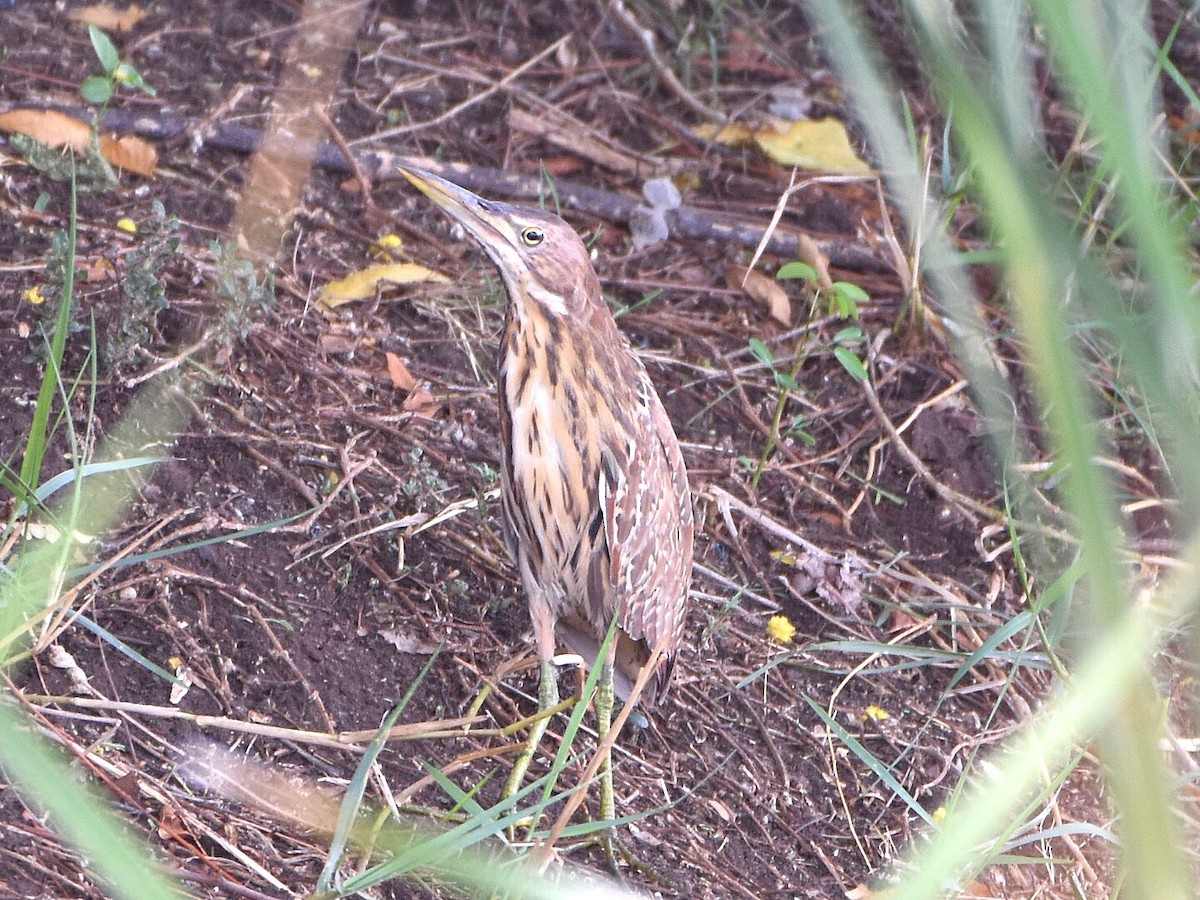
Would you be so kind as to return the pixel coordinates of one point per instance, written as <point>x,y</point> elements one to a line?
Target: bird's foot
<point>619,858</point>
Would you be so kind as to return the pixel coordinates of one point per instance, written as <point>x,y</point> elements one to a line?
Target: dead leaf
<point>361,284</point>
<point>54,129</point>
<point>810,253</point>
<point>131,153</point>
<point>407,643</point>
<point>766,291</point>
<point>104,16</point>
<point>98,269</point>
<point>398,372</point>
<point>170,826</point>
<point>818,144</point>
<point>421,403</point>
<point>339,343</point>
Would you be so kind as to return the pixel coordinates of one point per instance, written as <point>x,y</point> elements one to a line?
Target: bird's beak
<point>471,211</point>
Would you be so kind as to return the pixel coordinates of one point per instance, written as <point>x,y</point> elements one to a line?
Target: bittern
<point>597,513</point>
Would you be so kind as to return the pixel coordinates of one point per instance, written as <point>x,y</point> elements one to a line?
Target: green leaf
<point>849,335</point>
<point>851,363</point>
<point>850,291</point>
<point>786,381</point>
<point>762,353</point>
<point>793,270</point>
<point>106,50</point>
<point>96,89</point>
<point>130,77</point>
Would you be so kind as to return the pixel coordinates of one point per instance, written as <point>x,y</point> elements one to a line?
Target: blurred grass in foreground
<point>1099,282</point>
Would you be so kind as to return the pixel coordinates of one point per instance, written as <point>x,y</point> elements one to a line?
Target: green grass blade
<point>78,814</point>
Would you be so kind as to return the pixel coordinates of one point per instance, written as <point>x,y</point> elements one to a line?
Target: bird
<point>596,509</point>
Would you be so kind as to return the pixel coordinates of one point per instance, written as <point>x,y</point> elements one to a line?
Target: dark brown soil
<point>321,622</point>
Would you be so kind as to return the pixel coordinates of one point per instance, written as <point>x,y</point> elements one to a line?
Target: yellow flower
<point>939,815</point>
<point>382,248</point>
<point>127,225</point>
<point>876,714</point>
<point>34,295</point>
<point>781,629</point>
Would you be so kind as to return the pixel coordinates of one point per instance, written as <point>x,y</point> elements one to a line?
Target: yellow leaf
<point>361,284</point>
<point>735,134</point>
<point>820,144</point>
<point>104,16</point>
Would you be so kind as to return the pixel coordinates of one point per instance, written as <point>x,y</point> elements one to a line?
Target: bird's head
<point>539,256</point>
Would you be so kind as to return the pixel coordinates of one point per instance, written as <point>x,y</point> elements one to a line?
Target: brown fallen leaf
<point>55,129</point>
<point>421,403</point>
<point>98,269</point>
<point>398,372</point>
<point>52,128</point>
<point>109,18</point>
<point>766,291</point>
<point>130,152</point>
<point>361,284</point>
<point>812,254</point>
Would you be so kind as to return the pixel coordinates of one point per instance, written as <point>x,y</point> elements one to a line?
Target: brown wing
<point>648,524</point>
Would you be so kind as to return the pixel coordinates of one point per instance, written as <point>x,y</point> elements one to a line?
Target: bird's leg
<point>547,699</point>
<point>605,699</point>
<point>609,840</point>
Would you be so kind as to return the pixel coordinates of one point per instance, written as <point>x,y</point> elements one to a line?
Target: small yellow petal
<point>939,815</point>
<point>876,714</point>
<point>382,248</point>
<point>781,629</point>
<point>127,225</point>
<point>34,295</point>
<point>787,557</point>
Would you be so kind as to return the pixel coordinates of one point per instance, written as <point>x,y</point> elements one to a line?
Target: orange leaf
<point>398,372</point>
<point>420,403</point>
<point>54,129</point>
<point>104,16</point>
<point>131,153</point>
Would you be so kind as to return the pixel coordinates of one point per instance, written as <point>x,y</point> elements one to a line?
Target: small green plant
<point>424,481</point>
<point>240,289</point>
<point>786,382</point>
<point>842,343</point>
<point>143,289</point>
<point>99,89</point>
<point>842,297</point>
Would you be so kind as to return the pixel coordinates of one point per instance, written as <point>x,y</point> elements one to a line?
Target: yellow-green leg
<point>547,699</point>
<point>605,699</point>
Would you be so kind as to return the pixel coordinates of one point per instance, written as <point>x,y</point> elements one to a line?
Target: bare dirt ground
<point>321,624</point>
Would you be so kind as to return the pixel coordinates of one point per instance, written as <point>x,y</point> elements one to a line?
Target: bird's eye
<point>532,236</point>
